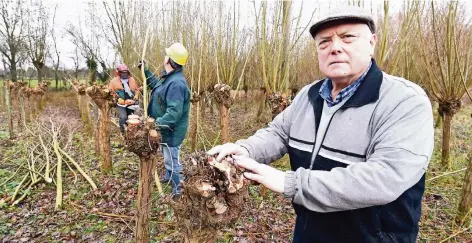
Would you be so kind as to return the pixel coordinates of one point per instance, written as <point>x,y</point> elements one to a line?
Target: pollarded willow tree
<point>12,31</point>
<point>229,48</point>
<point>277,32</point>
<point>444,44</point>
<point>37,32</point>
<point>87,36</point>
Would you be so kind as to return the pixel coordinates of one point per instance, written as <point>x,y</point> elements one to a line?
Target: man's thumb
<point>214,150</point>
<point>253,177</point>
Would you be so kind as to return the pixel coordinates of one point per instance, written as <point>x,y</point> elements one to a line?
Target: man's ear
<point>373,42</point>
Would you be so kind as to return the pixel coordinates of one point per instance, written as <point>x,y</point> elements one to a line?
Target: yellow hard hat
<point>177,53</point>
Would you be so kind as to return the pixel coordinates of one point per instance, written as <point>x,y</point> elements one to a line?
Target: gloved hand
<point>228,149</point>
<point>140,64</point>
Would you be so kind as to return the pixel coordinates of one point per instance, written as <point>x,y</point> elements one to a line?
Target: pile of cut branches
<point>45,157</point>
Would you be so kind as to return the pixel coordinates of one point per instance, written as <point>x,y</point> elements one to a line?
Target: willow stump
<point>142,139</point>
<point>195,100</point>
<point>9,109</point>
<point>38,97</point>
<point>262,102</point>
<point>15,93</point>
<point>277,103</point>
<point>222,96</point>
<point>447,111</point>
<point>246,100</point>
<point>103,98</point>
<point>83,104</point>
<point>40,91</point>
<point>213,196</point>
<point>28,93</point>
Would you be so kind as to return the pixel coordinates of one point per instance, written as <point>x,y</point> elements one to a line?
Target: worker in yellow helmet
<point>170,105</point>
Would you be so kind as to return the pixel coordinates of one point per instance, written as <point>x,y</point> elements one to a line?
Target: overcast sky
<point>70,11</point>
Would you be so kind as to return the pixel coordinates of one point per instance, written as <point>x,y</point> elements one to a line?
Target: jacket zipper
<point>313,151</point>
<point>312,161</point>
<point>391,237</point>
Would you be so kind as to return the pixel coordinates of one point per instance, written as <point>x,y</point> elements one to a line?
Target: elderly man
<point>359,142</point>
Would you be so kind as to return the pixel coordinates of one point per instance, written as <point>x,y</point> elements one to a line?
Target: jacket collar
<point>165,75</point>
<point>367,92</point>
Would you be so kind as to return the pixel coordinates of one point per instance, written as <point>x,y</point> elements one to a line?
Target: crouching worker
<point>125,87</point>
<point>169,105</point>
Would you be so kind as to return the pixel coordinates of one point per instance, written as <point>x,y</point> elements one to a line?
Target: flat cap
<point>353,13</point>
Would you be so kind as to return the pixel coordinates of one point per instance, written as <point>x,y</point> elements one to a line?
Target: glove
<point>140,64</point>
<point>228,149</point>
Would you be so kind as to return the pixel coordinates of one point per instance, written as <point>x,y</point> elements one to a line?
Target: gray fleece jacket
<point>366,163</point>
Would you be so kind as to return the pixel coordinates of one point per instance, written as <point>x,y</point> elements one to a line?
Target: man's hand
<point>140,64</point>
<point>129,102</point>
<point>266,175</point>
<point>228,149</point>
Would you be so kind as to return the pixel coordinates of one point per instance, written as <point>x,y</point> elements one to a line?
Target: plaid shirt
<point>327,86</point>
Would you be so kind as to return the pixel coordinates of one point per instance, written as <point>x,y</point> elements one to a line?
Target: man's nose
<point>336,46</point>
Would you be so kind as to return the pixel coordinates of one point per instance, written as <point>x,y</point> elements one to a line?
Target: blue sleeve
<point>151,79</point>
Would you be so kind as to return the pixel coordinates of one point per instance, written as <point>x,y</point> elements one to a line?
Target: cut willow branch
<point>87,177</point>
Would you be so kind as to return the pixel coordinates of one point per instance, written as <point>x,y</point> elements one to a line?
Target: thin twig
<point>87,177</point>
<point>456,234</point>
<point>445,174</point>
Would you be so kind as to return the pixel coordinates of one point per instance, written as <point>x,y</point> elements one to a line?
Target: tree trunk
<point>23,113</point>
<point>40,74</point>
<point>464,214</point>
<point>224,123</point>
<point>17,111</point>
<point>146,168</point>
<point>202,107</point>
<point>96,139</point>
<point>32,103</point>
<point>9,111</point>
<point>194,125</point>
<point>447,118</point>
<point>105,149</point>
<point>261,106</point>
<point>79,103</point>
<point>92,76</point>
<point>245,100</point>
<point>38,103</point>
<point>13,72</point>
<point>2,96</point>
<point>211,104</point>
<point>29,110</point>
<point>89,126</point>
<point>56,77</point>
<point>41,102</point>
